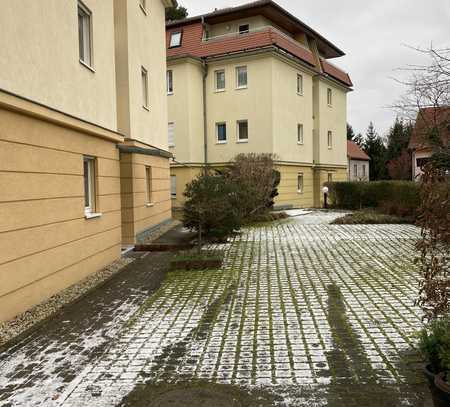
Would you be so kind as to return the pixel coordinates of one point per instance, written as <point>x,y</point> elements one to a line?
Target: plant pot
<point>441,397</point>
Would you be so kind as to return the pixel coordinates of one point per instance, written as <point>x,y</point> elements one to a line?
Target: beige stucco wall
<point>139,215</point>
<point>332,118</point>
<point>40,57</point>
<point>321,178</point>
<point>253,104</point>
<point>46,243</point>
<point>185,110</point>
<point>291,109</point>
<point>184,175</point>
<point>288,189</point>
<point>359,176</point>
<point>140,42</point>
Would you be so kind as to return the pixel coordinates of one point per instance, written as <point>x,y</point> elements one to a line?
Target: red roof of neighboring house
<point>193,45</point>
<point>427,119</point>
<point>355,152</point>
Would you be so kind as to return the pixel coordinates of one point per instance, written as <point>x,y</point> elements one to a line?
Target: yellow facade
<point>59,110</point>
<point>274,110</point>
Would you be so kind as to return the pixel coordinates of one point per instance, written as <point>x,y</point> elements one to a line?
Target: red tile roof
<point>193,45</point>
<point>355,152</point>
<point>336,73</point>
<point>427,118</point>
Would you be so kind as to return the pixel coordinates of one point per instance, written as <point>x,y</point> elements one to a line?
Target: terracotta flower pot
<point>441,397</point>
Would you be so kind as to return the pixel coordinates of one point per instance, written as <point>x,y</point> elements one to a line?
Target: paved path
<point>320,315</point>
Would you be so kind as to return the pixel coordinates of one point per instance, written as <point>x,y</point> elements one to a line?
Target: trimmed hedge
<point>401,198</point>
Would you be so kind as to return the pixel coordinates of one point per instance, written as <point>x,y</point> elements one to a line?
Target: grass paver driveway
<point>302,313</point>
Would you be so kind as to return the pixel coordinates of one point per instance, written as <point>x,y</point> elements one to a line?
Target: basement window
<point>173,186</point>
<point>300,183</point>
<point>148,182</point>
<point>89,176</point>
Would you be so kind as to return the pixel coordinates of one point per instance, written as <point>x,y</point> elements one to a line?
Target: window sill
<point>150,205</point>
<point>330,106</point>
<point>91,215</point>
<point>172,146</point>
<point>299,192</point>
<point>146,108</point>
<point>242,87</point>
<point>330,148</point>
<point>173,197</point>
<point>87,66</point>
<point>242,141</point>
<point>299,94</point>
<point>219,91</point>
<point>300,144</point>
<point>221,142</point>
<point>169,93</point>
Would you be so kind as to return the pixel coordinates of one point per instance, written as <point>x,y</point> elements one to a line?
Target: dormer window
<point>175,39</point>
<point>244,29</point>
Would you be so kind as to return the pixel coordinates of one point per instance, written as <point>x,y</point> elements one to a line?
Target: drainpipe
<point>205,124</point>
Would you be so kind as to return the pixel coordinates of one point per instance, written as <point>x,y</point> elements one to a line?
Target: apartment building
<point>254,78</point>
<point>84,161</point>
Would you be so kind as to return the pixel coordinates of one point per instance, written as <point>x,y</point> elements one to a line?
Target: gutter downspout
<point>205,124</point>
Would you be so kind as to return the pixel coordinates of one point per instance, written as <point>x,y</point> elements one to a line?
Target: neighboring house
<point>255,79</point>
<point>84,166</point>
<point>431,131</point>
<point>358,163</point>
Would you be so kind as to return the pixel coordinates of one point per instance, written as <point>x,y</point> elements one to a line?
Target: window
<point>355,169</point>
<point>242,131</point>
<point>300,134</point>
<point>175,39</point>
<point>170,82</point>
<point>300,183</point>
<point>364,170</point>
<point>171,134</point>
<point>220,80</point>
<point>221,133</point>
<point>299,84</point>
<point>244,29</point>
<point>330,139</point>
<point>173,186</point>
<point>241,77</point>
<point>148,182</point>
<point>85,34</point>
<point>144,76</point>
<point>89,184</point>
<point>330,177</point>
<point>329,97</point>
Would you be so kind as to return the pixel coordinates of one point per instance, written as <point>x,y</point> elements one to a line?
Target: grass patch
<point>368,217</point>
<point>194,260</point>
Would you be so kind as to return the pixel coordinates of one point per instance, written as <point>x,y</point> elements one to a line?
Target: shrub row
<point>401,198</point>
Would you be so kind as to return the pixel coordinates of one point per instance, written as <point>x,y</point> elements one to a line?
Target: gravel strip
<point>25,321</point>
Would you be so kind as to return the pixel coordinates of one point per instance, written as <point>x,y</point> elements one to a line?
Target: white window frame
<point>145,93</point>
<point>90,187</point>
<point>330,97</point>
<point>219,124</point>
<point>85,36</point>
<point>171,134</point>
<point>216,73</point>
<point>169,79</point>
<point>238,69</point>
<point>173,186</point>
<point>149,184</point>
<point>330,139</point>
<point>299,84</point>
<point>355,170</point>
<point>300,182</point>
<point>241,32</point>
<point>300,134</point>
<point>238,131</point>
<point>176,35</point>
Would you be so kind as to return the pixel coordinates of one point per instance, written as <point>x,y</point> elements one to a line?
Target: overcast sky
<point>374,34</point>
